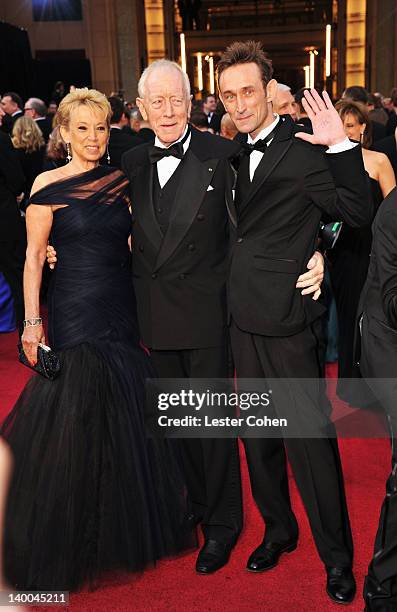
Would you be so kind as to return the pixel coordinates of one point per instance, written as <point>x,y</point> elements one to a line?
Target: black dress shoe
<point>341,586</point>
<point>213,556</point>
<point>193,520</point>
<point>266,556</point>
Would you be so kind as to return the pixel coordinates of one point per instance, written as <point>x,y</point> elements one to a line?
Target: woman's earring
<point>69,152</point>
<point>361,137</point>
<point>108,154</point>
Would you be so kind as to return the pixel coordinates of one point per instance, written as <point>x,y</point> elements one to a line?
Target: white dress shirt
<point>167,166</point>
<point>256,156</point>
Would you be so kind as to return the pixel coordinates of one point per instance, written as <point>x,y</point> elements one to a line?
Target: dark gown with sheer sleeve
<point>90,491</point>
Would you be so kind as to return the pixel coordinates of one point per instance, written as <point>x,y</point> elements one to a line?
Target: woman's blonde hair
<point>95,100</point>
<point>27,135</point>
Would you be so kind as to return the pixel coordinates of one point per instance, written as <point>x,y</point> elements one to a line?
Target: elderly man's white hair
<point>283,87</point>
<point>162,64</point>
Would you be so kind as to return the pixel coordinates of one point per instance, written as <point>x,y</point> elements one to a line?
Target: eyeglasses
<point>28,108</point>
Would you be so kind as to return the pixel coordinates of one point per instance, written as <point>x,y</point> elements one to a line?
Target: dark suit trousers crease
<point>315,462</point>
<point>374,363</point>
<point>211,466</point>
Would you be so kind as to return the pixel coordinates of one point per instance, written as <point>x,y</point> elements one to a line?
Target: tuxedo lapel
<point>145,207</point>
<point>230,195</point>
<point>266,166</point>
<point>195,178</point>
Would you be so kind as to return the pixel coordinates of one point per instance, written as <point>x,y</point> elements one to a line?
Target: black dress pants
<point>315,461</point>
<point>378,358</point>
<point>211,466</point>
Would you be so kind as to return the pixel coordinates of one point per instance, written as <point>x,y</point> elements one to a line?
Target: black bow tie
<point>175,150</point>
<point>157,153</point>
<point>262,144</point>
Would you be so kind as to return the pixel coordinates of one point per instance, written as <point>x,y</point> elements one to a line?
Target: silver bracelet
<point>32,322</point>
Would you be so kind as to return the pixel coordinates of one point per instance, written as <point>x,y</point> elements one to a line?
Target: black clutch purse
<point>48,363</point>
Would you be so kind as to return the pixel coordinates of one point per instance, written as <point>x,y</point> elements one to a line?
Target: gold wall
<point>155,29</point>
<point>355,42</point>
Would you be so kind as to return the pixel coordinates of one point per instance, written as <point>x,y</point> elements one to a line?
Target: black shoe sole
<point>338,601</point>
<point>209,573</point>
<point>289,549</point>
<point>212,571</point>
<point>200,573</point>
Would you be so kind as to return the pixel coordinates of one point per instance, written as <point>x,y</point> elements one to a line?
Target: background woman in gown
<point>28,141</point>
<point>350,256</point>
<point>89,491</point>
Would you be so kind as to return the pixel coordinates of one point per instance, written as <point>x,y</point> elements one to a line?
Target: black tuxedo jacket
<point>378,300</point>
<point>215,122</point>
<point>277,225</point>
<point>8,122</point>
<point>45,126</point>
<point>15,117</point>
<point>180,278</point>
<point>120,141</point>
<point>12,183</point>
<point>389,147</point>
<point>378,131</point>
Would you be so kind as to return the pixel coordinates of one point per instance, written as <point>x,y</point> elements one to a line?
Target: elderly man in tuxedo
<point>285,184</point>
<point>37,110</point>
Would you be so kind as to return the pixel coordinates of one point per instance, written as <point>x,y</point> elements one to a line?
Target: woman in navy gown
<point>90,492</point>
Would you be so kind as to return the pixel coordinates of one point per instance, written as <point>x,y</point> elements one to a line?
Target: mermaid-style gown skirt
<point>90,492</point>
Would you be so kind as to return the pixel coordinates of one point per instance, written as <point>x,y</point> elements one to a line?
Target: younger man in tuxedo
<point>284,185</point>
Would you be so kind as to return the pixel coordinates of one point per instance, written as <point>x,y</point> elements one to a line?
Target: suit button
<point>154,275</point>
<point>239,240</point>
<point>141,248</point>
<point>182,276</point>
<point>192,247</point>
<point>200,217</point>
<point>159,210</point>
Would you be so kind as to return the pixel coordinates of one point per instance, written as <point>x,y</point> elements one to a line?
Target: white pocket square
<point>210,188</point>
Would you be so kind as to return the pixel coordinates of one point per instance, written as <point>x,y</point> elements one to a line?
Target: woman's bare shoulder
<point>375,156</point>
<point>46,178</point>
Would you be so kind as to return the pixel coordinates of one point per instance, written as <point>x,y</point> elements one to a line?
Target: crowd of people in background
<point>32,143</point>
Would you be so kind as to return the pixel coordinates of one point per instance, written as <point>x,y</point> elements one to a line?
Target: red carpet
<point>297,584</point>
